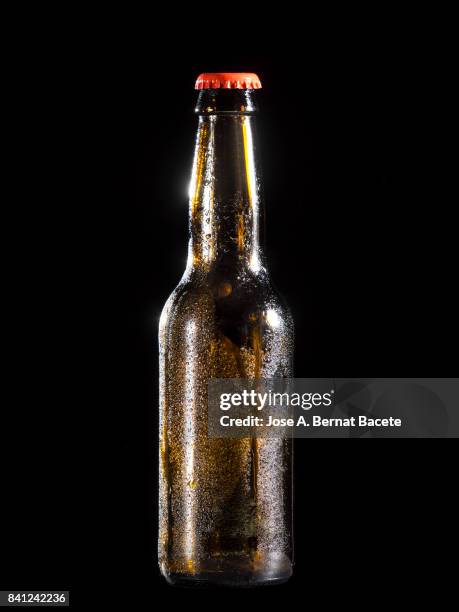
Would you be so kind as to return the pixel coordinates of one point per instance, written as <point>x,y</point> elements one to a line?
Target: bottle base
<point>236,573</point>
<point>208,581</point>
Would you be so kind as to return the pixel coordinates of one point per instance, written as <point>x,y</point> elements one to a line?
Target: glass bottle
<point>225,504</point>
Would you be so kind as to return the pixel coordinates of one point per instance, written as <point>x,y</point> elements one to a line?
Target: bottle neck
<point>225,198</point>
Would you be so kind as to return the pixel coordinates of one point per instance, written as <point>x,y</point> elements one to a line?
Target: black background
<point>361,241</point>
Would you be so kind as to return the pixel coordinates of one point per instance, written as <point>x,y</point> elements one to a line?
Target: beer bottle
<point>225,504</point>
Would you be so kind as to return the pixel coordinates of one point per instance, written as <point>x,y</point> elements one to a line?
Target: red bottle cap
<point>227,80</point>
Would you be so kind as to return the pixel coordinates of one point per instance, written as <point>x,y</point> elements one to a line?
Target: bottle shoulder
<point>223,296</point>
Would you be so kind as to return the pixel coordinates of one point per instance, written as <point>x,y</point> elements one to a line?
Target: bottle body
<point>225,504</point>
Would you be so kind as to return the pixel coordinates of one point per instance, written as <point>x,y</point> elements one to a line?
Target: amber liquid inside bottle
<point>225,507</point>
